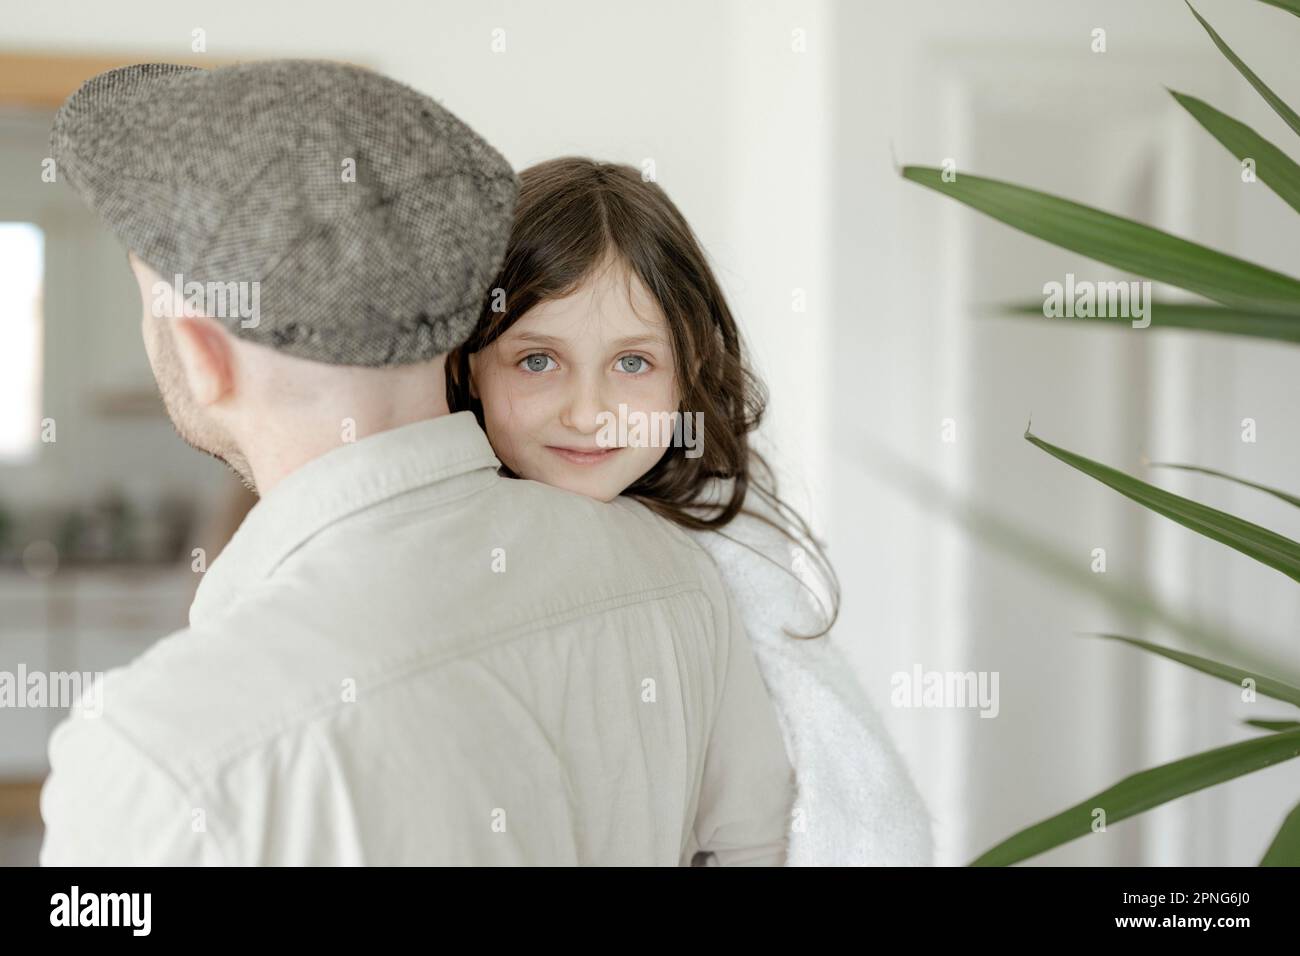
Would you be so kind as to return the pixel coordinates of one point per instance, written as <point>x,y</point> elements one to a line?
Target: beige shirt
<point>403,658</point>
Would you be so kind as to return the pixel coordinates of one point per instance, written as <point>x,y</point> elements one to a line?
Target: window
<point>22,279</point>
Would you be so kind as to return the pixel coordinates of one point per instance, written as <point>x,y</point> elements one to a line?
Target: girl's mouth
<point>582,456</point>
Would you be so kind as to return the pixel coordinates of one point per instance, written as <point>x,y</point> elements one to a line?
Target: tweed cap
<point>240,174</point>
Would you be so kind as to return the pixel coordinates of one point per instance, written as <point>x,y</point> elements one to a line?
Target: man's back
<point>403,658</point>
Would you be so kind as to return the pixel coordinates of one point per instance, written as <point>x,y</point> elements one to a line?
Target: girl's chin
<point>591,490</point>
<point>591,487</point>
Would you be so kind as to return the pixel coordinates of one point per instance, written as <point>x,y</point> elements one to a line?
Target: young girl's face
<point>546,381</point>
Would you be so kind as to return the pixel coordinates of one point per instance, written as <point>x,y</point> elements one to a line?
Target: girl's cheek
<point>647,397</point>
<point>530,393</point>
<point>529,406</point>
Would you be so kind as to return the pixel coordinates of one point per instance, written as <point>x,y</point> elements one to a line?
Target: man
<point>400,657</point>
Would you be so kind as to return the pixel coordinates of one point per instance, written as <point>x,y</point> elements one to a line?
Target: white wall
<point>1012,90</point>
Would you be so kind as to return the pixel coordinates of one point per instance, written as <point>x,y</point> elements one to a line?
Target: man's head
<point>259,410</point>
<point>360,220</point>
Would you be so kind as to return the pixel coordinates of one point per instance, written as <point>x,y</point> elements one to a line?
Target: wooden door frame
<point>42,81</point>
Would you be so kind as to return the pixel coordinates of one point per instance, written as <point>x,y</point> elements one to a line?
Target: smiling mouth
<point>579,456</point>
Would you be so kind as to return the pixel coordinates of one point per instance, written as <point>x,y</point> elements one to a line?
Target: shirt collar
<point>339,483</point>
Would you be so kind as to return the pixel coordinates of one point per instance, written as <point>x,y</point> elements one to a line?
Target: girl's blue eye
<point>639,364</point>
<point>536,363</point>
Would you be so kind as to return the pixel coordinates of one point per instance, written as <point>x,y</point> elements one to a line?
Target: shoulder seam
<point>398,668</point>
<point>159,767</point>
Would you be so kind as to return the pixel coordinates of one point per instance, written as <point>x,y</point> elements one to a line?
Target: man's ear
<point>207,356</point>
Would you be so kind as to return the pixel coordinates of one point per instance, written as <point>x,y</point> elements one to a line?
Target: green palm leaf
<point>1144,790</point>
<point>1291,6</point>
<point>1234,675</point>
<point>1121,242</point>
<point>1285,849</point>
<point>1288,498</point>
<point>1183,315</point>
<point>1273,167</point>
<point>1275,101</point>
<point>1274,724</point>
<point>1263,545</point>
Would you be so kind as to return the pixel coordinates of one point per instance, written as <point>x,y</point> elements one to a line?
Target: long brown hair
<point>572,215</point>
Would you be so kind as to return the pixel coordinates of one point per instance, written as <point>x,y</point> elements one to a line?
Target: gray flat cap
<point>241,175</point>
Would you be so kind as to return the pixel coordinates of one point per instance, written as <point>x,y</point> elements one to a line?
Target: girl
<point>606,322</point>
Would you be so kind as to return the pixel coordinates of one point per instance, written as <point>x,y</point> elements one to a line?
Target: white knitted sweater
<point>855,803</point>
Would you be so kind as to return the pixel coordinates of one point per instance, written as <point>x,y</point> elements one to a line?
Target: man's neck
<point>279,442</point>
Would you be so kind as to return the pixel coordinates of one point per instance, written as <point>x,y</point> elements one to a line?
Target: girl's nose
<point>585,403</point>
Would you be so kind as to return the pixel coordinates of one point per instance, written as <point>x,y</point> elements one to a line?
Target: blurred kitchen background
<point>776,128</point>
